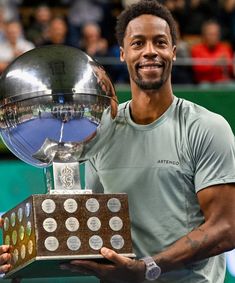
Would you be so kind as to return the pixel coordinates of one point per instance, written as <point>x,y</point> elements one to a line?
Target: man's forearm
<point>199,244</point>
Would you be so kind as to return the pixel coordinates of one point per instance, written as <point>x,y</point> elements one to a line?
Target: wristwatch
<point>153,271</point>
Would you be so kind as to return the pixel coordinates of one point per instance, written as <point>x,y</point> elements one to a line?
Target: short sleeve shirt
<point>162,166</point>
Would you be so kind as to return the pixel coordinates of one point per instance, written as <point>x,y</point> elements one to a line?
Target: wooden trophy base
<point>47,230</point>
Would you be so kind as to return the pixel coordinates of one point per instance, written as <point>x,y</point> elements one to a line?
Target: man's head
<point>149,7</point>
<point>147,36</point>
<point>211,33</point>
<point>13,31</point>
<point>91,32</point>
<point>57,30</point>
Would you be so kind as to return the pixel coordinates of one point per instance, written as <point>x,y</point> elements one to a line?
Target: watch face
<point>153,273</point>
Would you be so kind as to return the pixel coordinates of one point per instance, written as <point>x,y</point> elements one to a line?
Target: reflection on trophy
<point>52,101</point>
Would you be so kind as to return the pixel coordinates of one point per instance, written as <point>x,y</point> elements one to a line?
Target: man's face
<point>211,35</point>
<point>148,51</point>
<point>13,32</point>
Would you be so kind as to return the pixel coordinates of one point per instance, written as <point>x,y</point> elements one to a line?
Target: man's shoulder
<point>194,113</point>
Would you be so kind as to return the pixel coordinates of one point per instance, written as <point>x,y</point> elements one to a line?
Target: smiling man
<point>174,159</point>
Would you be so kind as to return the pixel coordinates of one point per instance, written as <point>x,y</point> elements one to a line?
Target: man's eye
<point>137,43</point>
<point>162,42</point>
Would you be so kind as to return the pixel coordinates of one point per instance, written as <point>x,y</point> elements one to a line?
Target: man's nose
<point>150,49</point>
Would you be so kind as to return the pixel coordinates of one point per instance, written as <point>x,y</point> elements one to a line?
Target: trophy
<point>52,104</point>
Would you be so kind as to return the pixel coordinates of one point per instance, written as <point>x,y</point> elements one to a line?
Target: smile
<point>150,66</point>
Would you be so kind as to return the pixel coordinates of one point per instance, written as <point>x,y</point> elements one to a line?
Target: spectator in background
<point>217,55</point>
<point>2,24</point>
<point>196,13</point>
<point>10,7</point>
<point>227,20</point>
<point>14,44</point>
<point>37,32</point>
<point>81,12</point>
<point>92,41</point>
<point>178,10</point>
<point>57,32</point>
<point>116,69</point>
<point>182,72</point>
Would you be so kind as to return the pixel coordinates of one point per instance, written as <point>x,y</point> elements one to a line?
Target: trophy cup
<point>52,101</point>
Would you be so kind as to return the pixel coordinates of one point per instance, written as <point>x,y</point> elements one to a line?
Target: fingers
<point>4,249</point>
<point>114,257</point>
<point>4,258</point>
<point>73,267</point>
<point>5,268</point>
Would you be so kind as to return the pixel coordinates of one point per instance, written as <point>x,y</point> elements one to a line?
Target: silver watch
<point>153,271</point>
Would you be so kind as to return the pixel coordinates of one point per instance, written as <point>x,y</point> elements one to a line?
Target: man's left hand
<point>120,268</point>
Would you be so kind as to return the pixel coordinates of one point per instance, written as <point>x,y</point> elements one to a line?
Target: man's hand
<point>4,258</point>
<point>120,268</point>
<point>4,255</point>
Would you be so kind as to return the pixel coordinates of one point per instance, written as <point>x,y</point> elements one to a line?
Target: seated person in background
<point>217,56</point>
<point>13,45</point>
<point>92,42</point>
<point>57,32</point>
<point>2,23</point>
<point>37,31</point>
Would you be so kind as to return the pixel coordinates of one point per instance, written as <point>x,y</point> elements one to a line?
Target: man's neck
<point>147,106</point>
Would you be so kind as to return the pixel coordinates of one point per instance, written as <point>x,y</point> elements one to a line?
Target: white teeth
<point>154,65</point>
<point>150,67</point>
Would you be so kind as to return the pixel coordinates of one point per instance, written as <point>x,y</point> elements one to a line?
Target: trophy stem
<point>65,178</point>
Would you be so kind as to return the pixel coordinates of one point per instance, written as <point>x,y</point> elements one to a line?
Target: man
<point>217,56</point>
<point>176,161</point>
<point>13,45</point>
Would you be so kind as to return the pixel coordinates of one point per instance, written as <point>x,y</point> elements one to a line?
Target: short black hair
<point>151,7</point>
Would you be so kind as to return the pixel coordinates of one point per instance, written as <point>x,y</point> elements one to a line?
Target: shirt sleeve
<point>213,148</point>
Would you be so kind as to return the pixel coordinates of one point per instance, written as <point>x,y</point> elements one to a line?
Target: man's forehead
<point>146,23</point>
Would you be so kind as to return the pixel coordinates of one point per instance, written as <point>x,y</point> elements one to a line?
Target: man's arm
<point>214,236</point>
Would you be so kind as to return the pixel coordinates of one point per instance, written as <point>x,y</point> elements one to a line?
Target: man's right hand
<point>4,255</point>
<point>4,258</point>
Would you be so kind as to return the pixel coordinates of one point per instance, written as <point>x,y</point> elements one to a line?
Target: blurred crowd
<point>206,34</point>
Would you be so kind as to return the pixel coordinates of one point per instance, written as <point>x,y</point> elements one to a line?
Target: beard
<point>151,84</point>
<point>144,85</point>
<point>148,84</point>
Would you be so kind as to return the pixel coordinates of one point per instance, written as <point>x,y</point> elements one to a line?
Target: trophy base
<point>51,267</point>
<point>46,230</point>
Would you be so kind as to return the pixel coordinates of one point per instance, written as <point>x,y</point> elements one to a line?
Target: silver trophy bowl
<point>58,108</point>
<point>52,100</point>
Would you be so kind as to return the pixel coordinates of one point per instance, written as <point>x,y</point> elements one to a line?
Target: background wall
<point>19,180</point>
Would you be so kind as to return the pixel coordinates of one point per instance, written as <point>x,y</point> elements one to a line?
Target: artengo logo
<point>170,162</point>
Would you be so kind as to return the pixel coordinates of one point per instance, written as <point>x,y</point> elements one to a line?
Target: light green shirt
<point>161,166</point>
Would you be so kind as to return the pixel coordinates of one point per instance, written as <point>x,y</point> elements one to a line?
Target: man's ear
<point>122,55</point>
<point>174,53</point>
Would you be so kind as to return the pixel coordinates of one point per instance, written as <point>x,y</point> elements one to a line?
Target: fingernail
<point>104,251</point>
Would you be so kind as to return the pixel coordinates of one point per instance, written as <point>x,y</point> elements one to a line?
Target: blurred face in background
<point>13,32</point>
<point>43,14</point>
<point>211,34</point>
<point>57,31</point>
<point>91,33</point>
